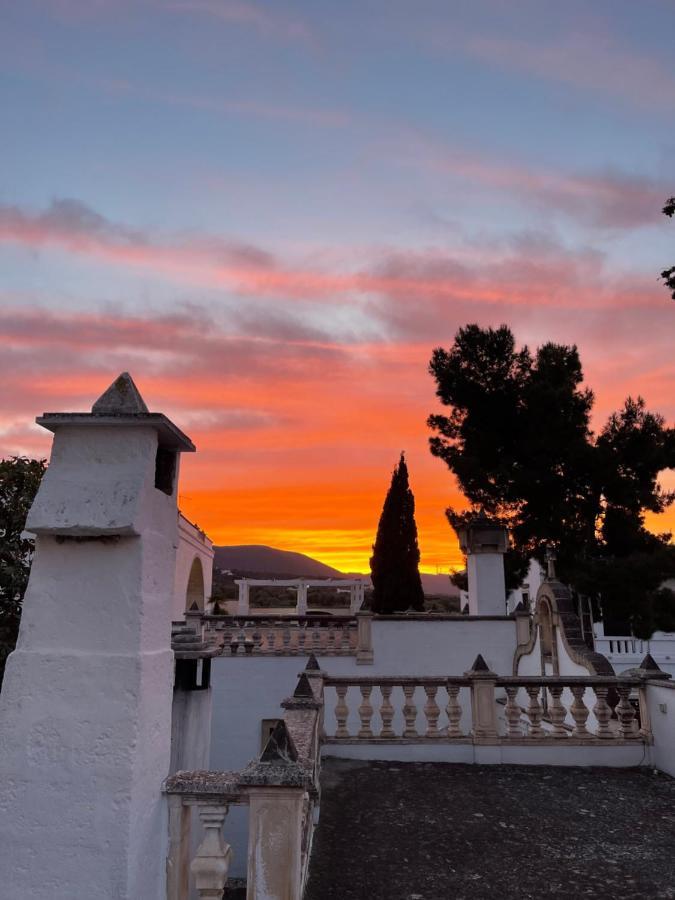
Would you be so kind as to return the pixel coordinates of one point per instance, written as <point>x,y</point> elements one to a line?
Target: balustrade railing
<point>292,636</point>
<point>280,789</point>
<point>481,706</point>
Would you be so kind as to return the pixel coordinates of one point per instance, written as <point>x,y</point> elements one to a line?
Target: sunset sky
<point>270,213</point>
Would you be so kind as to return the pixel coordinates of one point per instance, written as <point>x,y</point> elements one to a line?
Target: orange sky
<point>270,216</point>
<point>296,455</point>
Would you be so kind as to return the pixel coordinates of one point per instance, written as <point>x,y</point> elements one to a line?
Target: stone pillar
<point>364,639</point>
<point>275,843</point>
<point>484,542</point>
<point>301,605</point>
<point>483,711</point>
<point>243,604</point>
<point>356,595</point>
<point>278,800</point>
<point>85,710</point>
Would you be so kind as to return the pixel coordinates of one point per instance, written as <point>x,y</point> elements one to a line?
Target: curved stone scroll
<point>554,610</point>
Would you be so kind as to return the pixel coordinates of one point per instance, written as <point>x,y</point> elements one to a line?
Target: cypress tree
<point>395,561</point>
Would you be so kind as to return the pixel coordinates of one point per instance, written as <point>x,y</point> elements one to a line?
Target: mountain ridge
<point>264,560</point>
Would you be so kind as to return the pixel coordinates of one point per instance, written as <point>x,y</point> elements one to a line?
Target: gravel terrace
<point>437,831</point>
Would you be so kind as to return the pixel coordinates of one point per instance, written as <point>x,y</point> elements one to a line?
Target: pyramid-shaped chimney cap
<point>122,398</point>
<point>122,405</point>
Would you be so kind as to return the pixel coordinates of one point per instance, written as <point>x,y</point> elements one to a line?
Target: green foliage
<point>394,565</point>
<point>19,480</point>
<point>518,440</point>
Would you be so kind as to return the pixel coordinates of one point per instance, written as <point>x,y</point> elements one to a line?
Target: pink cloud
<point>536,274</point>
<point>605,199</point>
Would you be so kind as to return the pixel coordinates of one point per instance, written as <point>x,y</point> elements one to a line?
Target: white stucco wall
<point>191,730</point>
<point>193,544</point>
<point>249,689</point>
<point>661,706</point>
<point>85,710</point>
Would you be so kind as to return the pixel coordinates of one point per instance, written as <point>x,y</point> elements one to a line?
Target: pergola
<point>356,588</point>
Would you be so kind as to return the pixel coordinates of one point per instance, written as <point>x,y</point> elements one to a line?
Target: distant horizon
<point>270,214</point>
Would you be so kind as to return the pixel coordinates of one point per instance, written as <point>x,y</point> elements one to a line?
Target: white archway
<point>195,593</point>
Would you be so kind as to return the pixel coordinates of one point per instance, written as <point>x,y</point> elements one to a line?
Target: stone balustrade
<point>287,636</point>
<point>483,707</point>
<point>280,788</point>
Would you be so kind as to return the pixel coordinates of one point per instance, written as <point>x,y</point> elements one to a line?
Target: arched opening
<point>194,596</point>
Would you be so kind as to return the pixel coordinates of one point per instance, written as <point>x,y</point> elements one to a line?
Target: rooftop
<point>431,831</point>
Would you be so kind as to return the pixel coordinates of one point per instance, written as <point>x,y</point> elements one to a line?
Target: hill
<point>253,559</point>
<point>270,561</point>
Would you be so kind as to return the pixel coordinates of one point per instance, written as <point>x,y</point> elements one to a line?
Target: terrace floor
<point>440,831</point>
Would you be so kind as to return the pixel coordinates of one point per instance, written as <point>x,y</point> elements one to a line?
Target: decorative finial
<point>122,398</point>
<point>550,562</point>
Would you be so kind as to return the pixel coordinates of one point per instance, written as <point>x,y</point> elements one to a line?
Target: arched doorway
<point>194,596</point>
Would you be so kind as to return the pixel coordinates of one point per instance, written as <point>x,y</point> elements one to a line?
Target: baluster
<point>409,711</point>
<point>341,711</point>
<point>579,712</point>
<point>625,713</point>
<point>257,639</point>
<point>344,638</point>
<point>293,637</point>
<point>512,713</point>
<point>302,638</point>
<point>286,637</point>
<point>602,712</point>
<point>316,637</point>
<point>330,640</point>
<point>365,711</point>
<point>212,860</point>
<point>431,711</point>
<point>557,712</point>
<point>386,712</point>
<point>271,639</point>
<point>454,711</point>
<point>534,712</point>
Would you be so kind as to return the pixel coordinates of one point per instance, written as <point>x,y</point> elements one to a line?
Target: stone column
<point>85,710</point>
<point>483,711</point>
<point>243,604</point>
<point>356,595</point>
<point>301,605</point>
<point>364,639</point>
<point>278,800</point>
<point>484,542</point>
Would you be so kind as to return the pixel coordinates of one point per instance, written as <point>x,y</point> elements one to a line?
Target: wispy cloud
<point>607,199</point>
<point>545,275</point>
<point>323,117</point>
<point>595,63</point>
<point>270,21</point>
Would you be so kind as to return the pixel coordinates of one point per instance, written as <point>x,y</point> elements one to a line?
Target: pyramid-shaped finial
<point>303,687</point>
<point>312,663</point>
<point>279,747</point>
<point>649,664</point>
<point>479,665</point>
<point>121,399</point>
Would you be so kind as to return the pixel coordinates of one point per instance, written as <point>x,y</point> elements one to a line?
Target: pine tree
<point>396,556</point>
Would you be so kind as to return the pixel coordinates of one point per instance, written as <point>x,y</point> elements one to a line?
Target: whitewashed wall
<point>661,705</point>
<point>193,544</point>
<point>246,690</point>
